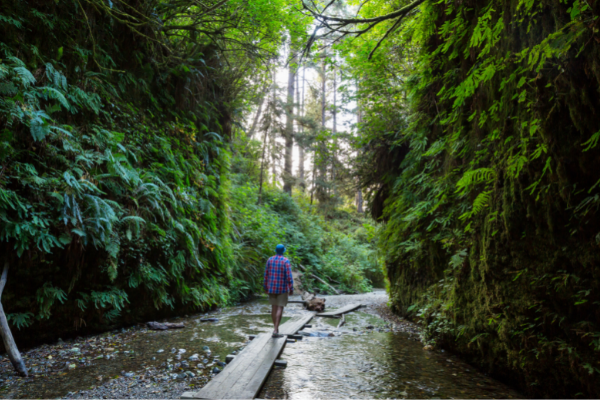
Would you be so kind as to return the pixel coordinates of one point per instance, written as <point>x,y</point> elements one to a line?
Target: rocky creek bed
<point>365,358</point>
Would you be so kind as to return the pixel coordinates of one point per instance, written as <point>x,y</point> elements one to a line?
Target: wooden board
<point>340,311</point>
<point>243,377</point>
<point>296,323</point>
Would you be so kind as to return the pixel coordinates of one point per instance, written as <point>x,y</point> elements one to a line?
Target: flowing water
<point>365,358</point>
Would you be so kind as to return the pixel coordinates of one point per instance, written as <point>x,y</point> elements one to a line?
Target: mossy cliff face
<point>492,234</point>
<point>113,160</point>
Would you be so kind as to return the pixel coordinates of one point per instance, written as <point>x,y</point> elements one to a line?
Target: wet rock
<point>184,364</point>
<point>234,352</point>
<point>173,350</point>
<point>194,357</point>
<point>190,374</point>
<point>209,319</point>
<point>370,327</point>
<point>221,364</point>
<point>216,370</point>
<point>181,376</point>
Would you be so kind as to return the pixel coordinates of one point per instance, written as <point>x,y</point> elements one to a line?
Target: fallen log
<point>163,326</point>
<point>320,280</point>
<point>342,321</point>
<point>313,303</point>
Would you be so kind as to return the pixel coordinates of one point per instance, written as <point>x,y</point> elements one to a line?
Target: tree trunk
<point>359,196</point>
<point>289,129</point>
<point>301,144</point>
<point>258,113</point>
<point>322,165</point>
<point>7,338</point>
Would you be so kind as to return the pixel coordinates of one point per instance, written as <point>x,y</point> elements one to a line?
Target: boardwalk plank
<point>243,377</point>
<point>340,311</point>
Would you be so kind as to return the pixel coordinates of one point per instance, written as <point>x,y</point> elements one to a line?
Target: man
<point>278,283</point>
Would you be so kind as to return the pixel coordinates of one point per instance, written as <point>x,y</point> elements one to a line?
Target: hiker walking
<point>278,283</point>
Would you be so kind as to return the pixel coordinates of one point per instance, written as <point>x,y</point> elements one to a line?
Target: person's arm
<point>290,277</point>
<point>266,278</point>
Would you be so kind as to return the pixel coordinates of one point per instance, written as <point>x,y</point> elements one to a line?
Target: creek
<point>365,358</point>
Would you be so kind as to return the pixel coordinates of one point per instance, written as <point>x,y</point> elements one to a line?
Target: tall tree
<point>289,127</point>
<point>300,143</point>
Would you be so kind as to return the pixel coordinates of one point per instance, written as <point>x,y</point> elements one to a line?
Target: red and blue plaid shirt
<point>278,275</point>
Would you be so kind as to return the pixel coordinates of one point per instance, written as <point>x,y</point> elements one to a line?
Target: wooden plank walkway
<point>340,311</point>
<point>243,377</point>
<point>296,323</point>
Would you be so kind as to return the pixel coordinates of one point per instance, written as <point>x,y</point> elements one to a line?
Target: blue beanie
<point>280,249</point>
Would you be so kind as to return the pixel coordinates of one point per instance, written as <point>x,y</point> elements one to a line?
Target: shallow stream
<point>365,358</point>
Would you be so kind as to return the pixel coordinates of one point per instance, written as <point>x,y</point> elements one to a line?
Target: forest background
<point>150,162</point>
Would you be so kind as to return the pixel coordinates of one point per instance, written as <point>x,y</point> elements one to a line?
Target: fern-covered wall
<point>113,166</point>
<point>492,233</point>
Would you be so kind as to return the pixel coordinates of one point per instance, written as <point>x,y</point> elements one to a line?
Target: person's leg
<point>279,315</point>
<point>274,317</point>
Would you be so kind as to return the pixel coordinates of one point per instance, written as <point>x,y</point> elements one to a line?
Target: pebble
<point>72,366</point>
<point>194,357</point>
<point>190,374</point>
<point>221,364</point>
<point>129,374</point>
<point>160,351</point>
<point>181,351</point>
<point>206,348</point>
<point>205,361</point>
<point>173,350</point>
<point>216,370</point>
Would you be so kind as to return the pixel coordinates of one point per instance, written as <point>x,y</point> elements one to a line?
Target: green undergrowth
<point>113,183</point>
<point>489,186</point>
<point>339,245</point>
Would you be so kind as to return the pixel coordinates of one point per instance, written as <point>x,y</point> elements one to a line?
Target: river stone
<point>216,370</point>
<point>160,351</point>
<point>206,348</point>
<point>173,350</point>
<point>129,374</point>
<point>221,364</point>
<point>181,376</point>
<point>205,361</point>
<point>194,357</point>
<point>181,351</point>
<point>75,350</point>
<point>190,374</point>
<point>72,366</point>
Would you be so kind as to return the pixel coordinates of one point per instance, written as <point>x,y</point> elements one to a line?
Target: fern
<point>473,177</point>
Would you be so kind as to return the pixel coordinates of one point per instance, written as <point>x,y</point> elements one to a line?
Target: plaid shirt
<point>278,276</point>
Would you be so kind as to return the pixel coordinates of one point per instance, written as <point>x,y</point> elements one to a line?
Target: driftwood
<point>163,326</point>
<point>342,321</point>
<point>320,280</point>
<point>313,303</point>
<point>7,338</point>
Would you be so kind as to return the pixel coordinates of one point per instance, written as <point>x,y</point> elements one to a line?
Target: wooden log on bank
<point>163,326</point>
<point>320,280</point>
<point>9,343</point>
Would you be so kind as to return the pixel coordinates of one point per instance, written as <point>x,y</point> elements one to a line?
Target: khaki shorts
<point>278,299</point>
